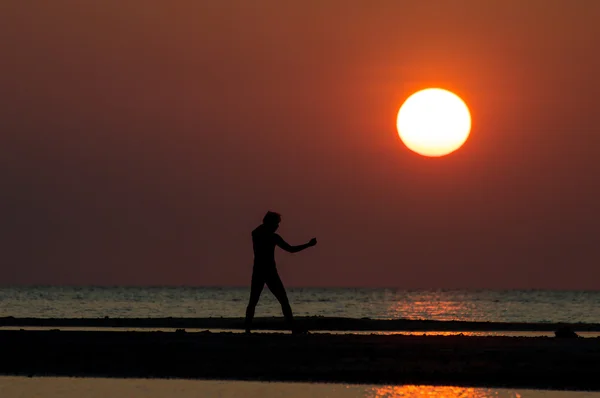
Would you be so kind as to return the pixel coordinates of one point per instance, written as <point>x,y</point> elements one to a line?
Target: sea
<point>546,306</point>
<point>385,303</point>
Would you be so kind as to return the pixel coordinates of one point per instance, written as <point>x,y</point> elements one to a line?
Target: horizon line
<point>175,286</point>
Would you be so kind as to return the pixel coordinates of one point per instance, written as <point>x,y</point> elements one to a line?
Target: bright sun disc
<point>433,122</point>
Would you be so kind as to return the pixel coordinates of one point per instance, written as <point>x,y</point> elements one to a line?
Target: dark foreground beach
<point>509,362</point>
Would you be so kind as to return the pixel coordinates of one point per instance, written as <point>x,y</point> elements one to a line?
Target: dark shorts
<point>270,277</point>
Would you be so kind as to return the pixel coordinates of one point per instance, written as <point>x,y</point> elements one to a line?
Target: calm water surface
<point>22,387</point>
<point>155,302</point>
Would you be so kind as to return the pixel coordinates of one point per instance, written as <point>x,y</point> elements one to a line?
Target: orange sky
<point>142,141</point>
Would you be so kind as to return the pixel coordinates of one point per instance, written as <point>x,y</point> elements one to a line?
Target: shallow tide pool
<point>64,387</point>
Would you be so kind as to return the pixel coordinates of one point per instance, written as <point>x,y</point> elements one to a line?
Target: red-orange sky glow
<point>142,141</point>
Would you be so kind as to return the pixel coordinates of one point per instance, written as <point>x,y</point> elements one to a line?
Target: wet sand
<point>500,362</point>
<point>311,323</point>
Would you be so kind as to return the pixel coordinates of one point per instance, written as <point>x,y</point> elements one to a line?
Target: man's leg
<point>276,287</point>
<point>256,288</point>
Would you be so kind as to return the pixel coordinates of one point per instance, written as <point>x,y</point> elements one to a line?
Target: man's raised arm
<point>293,249</point>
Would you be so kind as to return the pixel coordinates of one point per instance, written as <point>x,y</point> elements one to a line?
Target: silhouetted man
<point>264,240</point>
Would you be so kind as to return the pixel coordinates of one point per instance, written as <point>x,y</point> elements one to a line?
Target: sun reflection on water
<point>434,307</point>
<point>442,392</point>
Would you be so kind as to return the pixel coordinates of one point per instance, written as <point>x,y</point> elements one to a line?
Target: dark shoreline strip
<point>311,323</point>
<point>500,362</point>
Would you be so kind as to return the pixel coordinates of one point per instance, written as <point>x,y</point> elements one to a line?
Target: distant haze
<point>142,141</point>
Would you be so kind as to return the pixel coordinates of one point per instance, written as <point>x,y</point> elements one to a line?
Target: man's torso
<point>263,242</point>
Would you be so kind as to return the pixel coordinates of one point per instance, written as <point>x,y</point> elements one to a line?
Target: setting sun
<point>433,122</point>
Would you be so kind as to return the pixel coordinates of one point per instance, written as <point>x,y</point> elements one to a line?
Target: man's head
<point>271,220</point>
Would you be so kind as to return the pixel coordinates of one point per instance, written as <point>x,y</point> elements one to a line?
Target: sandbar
<point>500,362</point>
<point>311,323</point>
